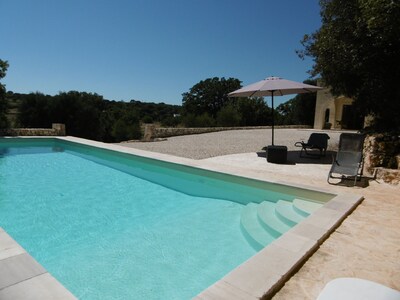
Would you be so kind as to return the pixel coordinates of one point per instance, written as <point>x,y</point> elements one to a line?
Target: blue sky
<point>151,50</point>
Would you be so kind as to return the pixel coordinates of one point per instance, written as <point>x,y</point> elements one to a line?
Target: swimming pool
<point>183,229</point>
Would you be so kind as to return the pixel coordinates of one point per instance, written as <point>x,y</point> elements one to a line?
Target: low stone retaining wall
<point>376,149</point>
<point>152,132</point>
<point>391,176</point>
<point>56,130</point>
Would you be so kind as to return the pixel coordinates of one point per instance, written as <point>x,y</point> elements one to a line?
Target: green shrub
<point>228,116</point>
<point>122,131</point>
<point>204,120</point>
<point>147,119</point>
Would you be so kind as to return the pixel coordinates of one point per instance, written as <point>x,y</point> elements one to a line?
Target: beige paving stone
<point>8,247</point>
<point>298,292</point>
<point>223,290</point>
<point>340,206</point>
<point>18,268</point>
<point>310,231</point>
<point>366,245</point>
<point>257,275</point>
<point>42,287</point>
<point>295,243</point>
<point>325,218</point>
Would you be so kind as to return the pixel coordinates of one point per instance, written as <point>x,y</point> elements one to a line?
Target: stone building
<point>335,112</point>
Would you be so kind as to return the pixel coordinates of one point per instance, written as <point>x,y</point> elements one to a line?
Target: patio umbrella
<point>273,86</point>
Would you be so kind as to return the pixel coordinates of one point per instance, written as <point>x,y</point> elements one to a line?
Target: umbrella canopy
<point>274,86</point>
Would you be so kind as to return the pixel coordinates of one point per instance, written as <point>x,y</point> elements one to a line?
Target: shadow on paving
<point>363,182</point>
<point>293,158</point>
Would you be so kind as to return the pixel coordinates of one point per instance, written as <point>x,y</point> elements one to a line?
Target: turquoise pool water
<point>106,234</point>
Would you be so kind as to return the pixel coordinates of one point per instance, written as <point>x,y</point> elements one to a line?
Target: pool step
<point>287,214</point>
<point>255,234</point>
<point>304,207</point>
<point>269,220</point>
<point>262,223</point>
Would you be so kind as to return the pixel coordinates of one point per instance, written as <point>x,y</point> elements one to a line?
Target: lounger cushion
<point>357,289</point>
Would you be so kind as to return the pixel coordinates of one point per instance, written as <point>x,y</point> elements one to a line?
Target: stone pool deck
<point>22,277</point>
<point>365,245</point>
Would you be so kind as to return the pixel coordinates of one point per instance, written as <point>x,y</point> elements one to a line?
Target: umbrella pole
<point>272,104</point>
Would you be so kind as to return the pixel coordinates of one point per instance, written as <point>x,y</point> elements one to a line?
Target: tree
<point>126,128</point>
<point>150,112</point>
<point>34,111</point>
<point>357,53</point>
<point>228,116</point>
<point>90,116</point>
<point>300,110</point>
<point>3,102</point>
<point>209,96</point>
<point>254,111</point>
<point>203,120</point>
<point>81,112</point>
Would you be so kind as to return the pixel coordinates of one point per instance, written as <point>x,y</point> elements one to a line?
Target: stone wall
<point>152,132</point>
<point>381,152</point>
<point>56,130</point>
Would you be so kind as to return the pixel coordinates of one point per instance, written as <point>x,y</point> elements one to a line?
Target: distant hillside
<point>151,112</point>
<point>14,101</point>
<point>148,112</point>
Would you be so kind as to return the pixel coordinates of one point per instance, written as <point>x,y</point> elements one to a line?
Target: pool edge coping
<point>24,275</point>
<point>263,274</point>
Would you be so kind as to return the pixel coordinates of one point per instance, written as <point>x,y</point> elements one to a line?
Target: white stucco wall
<point>325,100</point>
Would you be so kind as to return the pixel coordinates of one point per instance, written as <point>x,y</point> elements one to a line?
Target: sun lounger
<point>349,159</point>
<point>318,141</point>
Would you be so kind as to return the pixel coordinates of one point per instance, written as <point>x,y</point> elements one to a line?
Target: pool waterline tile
<point>245,278</point>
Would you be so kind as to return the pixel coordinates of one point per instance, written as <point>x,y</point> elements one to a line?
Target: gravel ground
<point>206,145</point>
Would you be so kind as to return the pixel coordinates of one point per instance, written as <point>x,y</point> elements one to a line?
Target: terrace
<point>365,245</point>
